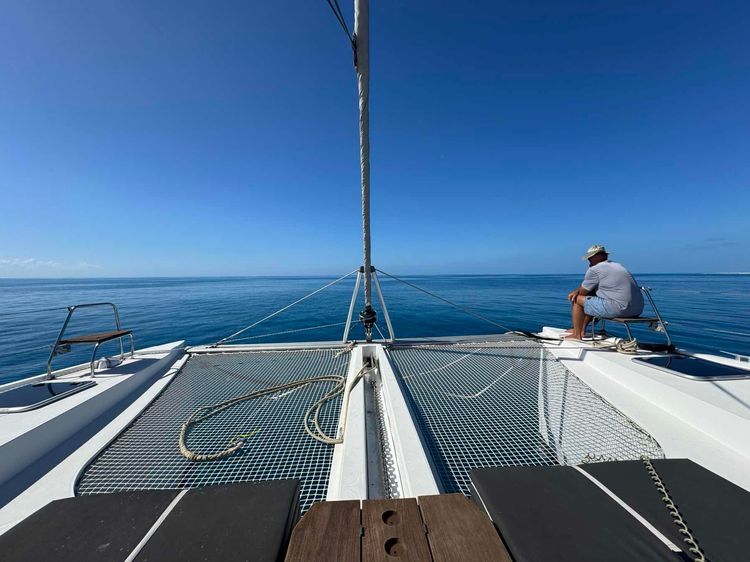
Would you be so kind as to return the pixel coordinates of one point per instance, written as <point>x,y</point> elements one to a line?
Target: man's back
<point>615,283</point>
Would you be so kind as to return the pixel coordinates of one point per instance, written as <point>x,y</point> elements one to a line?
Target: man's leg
<point>579,317</point>
<point>581,300</point>
<point>586,320</point>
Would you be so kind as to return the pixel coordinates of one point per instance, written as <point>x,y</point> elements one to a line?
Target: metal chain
<point>388,461</point>
<point>693,548</point>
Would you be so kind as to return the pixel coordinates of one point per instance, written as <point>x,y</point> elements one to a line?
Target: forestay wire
<point>294,331</point>
<point>279,311</point>
<point>451,303</point>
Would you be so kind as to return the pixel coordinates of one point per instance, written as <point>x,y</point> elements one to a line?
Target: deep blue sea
<point>705,312</point>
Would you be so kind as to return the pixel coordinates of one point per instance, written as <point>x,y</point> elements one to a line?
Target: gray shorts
<point>600,308</point>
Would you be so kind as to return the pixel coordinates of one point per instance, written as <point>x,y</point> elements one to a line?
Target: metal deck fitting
<point>508,402</point>
<point>146,456</point>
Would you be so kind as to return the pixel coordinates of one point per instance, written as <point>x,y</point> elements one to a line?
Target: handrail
<point>662,323</point>
<point>71,310</point>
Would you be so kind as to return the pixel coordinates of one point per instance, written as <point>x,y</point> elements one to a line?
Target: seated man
<point>608,291</point>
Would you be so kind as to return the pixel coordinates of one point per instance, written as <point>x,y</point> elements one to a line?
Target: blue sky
<point>220,138</point>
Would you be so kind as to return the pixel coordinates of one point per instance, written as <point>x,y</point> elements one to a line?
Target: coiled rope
<point>627,346</point>
<point>310,422</point>
<point>693,548</point>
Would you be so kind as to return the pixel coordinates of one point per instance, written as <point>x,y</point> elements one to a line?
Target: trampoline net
<point>508,402</point>
<point>146,455</point>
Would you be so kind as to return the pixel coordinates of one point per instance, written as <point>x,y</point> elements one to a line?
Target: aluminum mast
<point>362,64</point>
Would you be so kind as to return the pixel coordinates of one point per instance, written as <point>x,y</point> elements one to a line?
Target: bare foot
<point>573,337</point>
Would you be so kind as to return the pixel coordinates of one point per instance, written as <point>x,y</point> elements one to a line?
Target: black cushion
<point>101,527</point>
<point>247,521</point>
<point>715,510</point>
<point>237,522</point>
<point>556,513</point>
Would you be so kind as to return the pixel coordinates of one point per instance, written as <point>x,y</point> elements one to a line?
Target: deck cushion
<point>97,527</point>
<point>714,508</point>
<point>248,521</point>
<point>556,513</point>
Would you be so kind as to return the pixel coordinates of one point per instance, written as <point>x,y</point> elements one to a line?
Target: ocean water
<point>705,312</point>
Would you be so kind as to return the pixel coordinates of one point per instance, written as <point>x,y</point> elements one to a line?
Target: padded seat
<point>556,513</point>
<point>248,521</point>
<point>635,320</point>
<point>96,338</point>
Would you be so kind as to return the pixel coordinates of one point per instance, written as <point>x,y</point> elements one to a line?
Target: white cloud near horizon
<point>28,264</point>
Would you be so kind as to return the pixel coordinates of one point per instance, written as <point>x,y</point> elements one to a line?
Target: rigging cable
<point>336,9</point>
<point>623,346</point>
<point>279,311</point>
<point>282,333</point>
<point>453,304</point>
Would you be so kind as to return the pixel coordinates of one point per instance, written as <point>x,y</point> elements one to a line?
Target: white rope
<point>152,531</point>
<point>638,517</point>
<point>287,307</point>
<point>627,346</point>
<point>237,442</point>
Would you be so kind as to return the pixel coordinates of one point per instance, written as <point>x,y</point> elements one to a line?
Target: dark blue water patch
<point>706,312</point>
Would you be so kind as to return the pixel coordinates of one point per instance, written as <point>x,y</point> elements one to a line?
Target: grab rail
<point>66,347</point>
<point>662,324</point>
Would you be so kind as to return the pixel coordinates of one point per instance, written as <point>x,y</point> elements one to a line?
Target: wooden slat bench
<point>62,344</point>
<point>99,338</point>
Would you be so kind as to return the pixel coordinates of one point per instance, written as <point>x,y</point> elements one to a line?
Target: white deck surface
<point>19,423</point>
<point>707,421</point>
<point>27,436</point>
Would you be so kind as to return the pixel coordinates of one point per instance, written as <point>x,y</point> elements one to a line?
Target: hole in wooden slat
<point>391,517</point>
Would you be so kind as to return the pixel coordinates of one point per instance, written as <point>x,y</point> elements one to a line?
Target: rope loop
<point>311,421</point>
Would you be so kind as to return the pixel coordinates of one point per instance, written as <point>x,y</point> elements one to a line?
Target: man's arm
<point>589,284</point>
<point>579,291</point>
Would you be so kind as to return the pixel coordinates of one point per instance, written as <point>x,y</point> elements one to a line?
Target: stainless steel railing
<point>59,348</point>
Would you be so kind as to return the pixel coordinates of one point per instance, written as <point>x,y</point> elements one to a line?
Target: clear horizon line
<point>326,275</point>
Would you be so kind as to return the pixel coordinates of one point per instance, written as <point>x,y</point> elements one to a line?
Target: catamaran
<point>512,446</point>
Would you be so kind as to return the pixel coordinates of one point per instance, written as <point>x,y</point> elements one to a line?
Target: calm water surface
<point>705,312</point>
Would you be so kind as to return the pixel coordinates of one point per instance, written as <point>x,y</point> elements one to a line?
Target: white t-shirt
<point>614,283</point>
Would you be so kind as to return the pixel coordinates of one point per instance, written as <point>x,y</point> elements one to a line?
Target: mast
<point>362,64</point>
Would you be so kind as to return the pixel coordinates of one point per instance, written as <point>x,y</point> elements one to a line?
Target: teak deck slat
<point>458,530</point>
<point>329,531</point>
<point>444,528</point>
<point>393,529</point>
